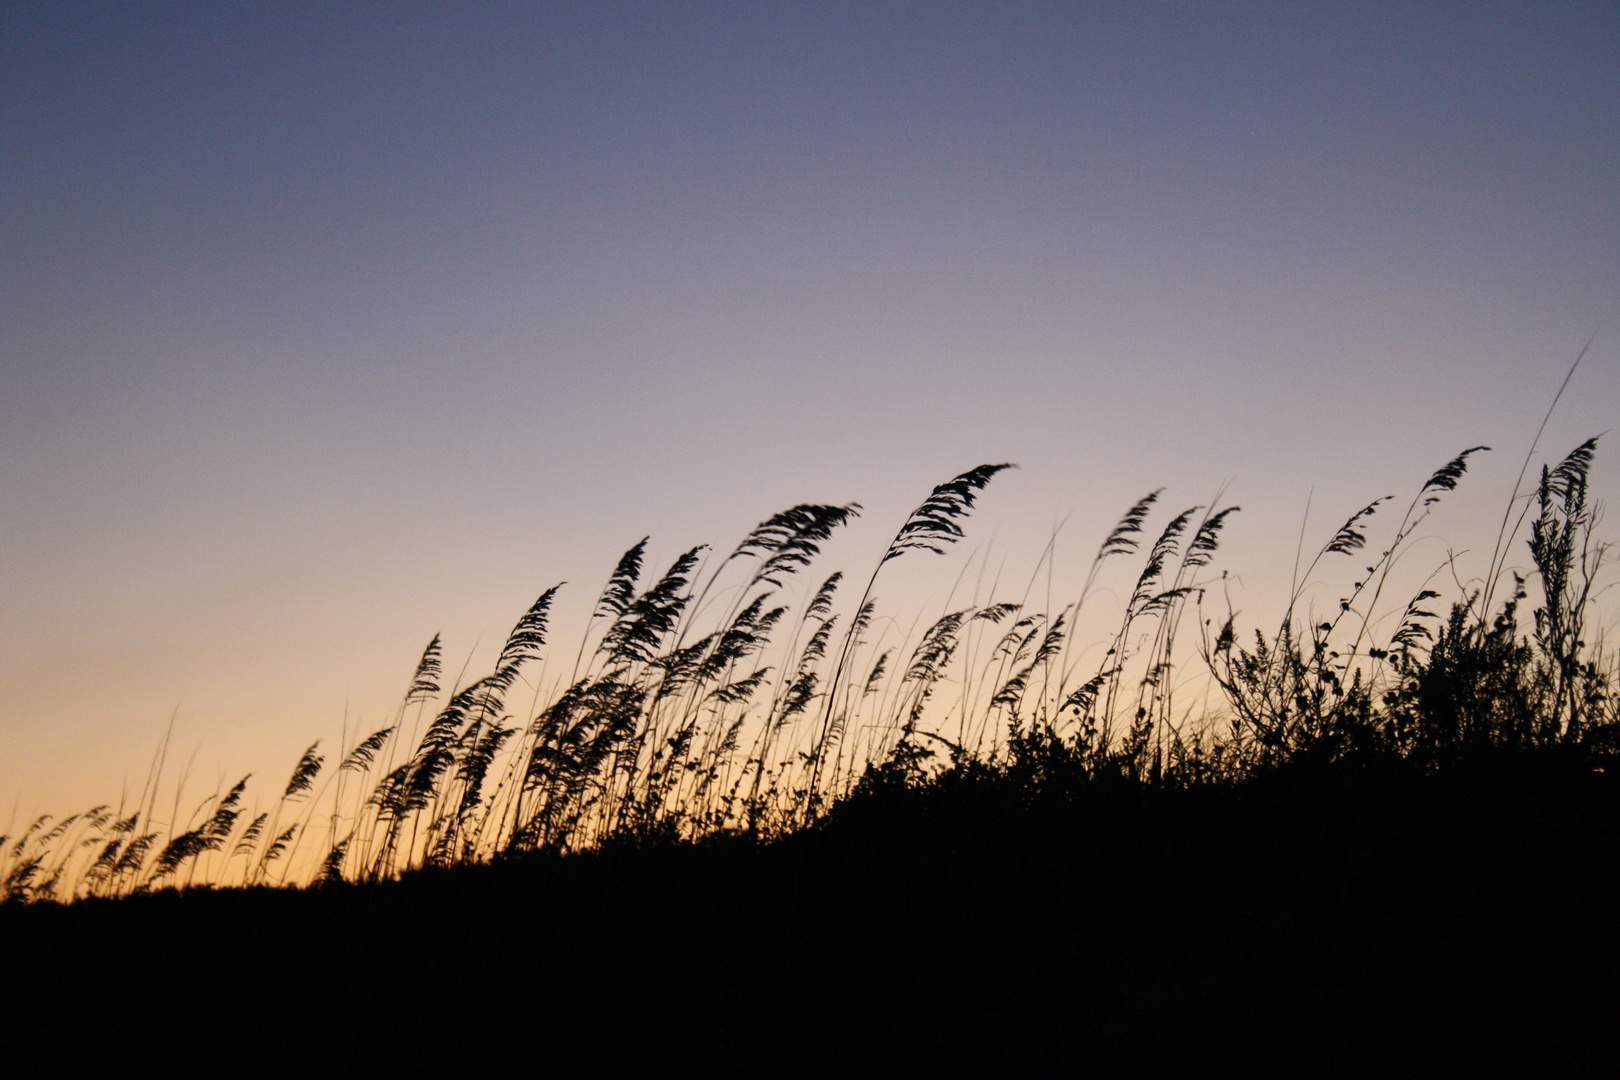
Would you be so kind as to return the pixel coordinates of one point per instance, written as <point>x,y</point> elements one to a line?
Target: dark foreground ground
<point>1310,923</point>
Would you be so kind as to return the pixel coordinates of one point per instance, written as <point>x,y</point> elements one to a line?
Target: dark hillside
<point>1334,919</point>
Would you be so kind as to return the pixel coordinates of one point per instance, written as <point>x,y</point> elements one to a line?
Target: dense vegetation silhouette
<point>1388,849</point>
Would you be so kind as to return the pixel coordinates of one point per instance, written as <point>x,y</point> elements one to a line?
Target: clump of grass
<point>683,718</point>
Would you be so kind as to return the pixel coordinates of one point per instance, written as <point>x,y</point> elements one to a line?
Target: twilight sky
<point>324,328</point>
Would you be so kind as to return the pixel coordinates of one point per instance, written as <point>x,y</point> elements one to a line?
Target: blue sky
<point>324,328</point>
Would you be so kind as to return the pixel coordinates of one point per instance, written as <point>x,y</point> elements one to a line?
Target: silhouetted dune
<point>1328,919</point>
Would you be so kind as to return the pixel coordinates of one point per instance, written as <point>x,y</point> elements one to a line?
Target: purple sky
<point>324,328</point>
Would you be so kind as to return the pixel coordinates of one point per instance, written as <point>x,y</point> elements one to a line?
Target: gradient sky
<point>324,328</point>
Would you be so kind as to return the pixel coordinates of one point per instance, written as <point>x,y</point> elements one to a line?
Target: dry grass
<point>683,718</point>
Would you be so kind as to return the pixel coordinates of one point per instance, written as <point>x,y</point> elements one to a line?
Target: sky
<point>325,328</point>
